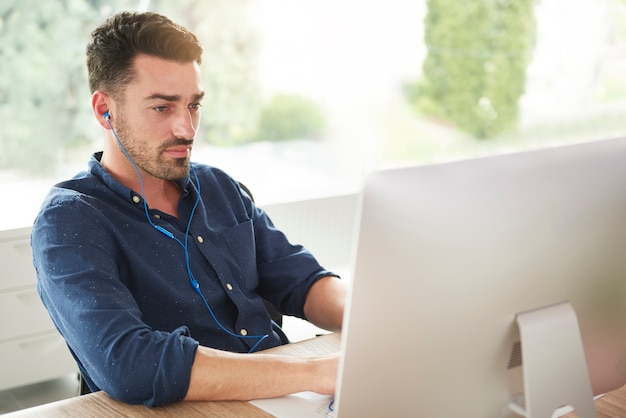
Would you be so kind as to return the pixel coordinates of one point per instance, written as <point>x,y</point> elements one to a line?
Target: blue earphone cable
<point>185,245</point>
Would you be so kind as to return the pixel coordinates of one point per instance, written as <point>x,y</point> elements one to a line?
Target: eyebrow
<point>172,98</point>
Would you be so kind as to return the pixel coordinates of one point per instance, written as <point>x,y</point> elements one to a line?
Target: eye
<point>160,109</point>
<point>195,106</point>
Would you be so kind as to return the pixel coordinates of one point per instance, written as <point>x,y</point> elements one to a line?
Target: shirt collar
<point>98,171</point>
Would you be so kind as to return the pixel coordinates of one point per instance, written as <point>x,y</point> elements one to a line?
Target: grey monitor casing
<point>448,254</point>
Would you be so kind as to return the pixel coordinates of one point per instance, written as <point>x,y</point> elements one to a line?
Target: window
<point>305,97</point>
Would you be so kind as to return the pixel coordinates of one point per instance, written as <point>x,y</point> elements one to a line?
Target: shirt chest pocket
<point>242,253</point>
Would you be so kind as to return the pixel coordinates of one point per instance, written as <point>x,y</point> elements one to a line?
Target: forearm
<point>325,303</point>
<point>221,375</point>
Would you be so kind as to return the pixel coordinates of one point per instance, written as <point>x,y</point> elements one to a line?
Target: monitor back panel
<point>447,254</point>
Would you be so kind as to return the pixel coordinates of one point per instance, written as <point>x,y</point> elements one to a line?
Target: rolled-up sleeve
<point>78,271</point>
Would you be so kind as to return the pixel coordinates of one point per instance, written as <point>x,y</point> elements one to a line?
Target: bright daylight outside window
<point>304,97</point>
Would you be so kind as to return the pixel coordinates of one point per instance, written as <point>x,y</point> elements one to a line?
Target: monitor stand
<point>554,366</point>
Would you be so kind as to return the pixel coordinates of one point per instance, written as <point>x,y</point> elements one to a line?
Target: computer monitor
<point>453,258</point>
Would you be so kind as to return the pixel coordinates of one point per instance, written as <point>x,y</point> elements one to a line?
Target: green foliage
<point>290,117</point>
<point>41,67</point>
<point>474,72</point>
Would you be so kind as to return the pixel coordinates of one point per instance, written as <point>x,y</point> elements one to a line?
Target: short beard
<point>155,167</point>
<point>177,171</point>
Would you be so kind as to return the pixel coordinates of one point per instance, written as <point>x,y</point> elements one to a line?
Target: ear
<point>100,103</point>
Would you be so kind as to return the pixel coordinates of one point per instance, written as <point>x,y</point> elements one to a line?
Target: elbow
<point>142,394</point>
<point>145,387</point>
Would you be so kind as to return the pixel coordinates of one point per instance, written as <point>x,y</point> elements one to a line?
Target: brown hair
<point>117,41</point>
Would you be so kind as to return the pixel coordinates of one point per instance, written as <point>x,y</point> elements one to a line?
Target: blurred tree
<point>288,117</point>
<point>43,87</point>
<point>475,69</point>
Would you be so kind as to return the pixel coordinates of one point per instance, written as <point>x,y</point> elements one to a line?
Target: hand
<point>325,375</point>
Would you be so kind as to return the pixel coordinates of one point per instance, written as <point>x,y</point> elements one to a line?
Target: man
<point>153,268</point>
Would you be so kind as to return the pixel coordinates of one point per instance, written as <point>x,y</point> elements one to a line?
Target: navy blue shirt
<point>120,291</point>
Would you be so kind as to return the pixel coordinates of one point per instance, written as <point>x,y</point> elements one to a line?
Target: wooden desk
<point>612,405</point>
<point>99,404</point>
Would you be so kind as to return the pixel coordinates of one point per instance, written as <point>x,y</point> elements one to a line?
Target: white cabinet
<point>31,349</point>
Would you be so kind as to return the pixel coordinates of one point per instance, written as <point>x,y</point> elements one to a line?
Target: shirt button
<point>136,199</point>
<point>156,215</point>
<point>243,332</point>
<point>200,239</point>
<point>229,286</point>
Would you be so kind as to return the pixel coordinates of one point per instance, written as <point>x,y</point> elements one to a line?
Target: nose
<point>185,125</point>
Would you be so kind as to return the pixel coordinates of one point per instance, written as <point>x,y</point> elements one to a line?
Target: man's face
<point>159,115</point>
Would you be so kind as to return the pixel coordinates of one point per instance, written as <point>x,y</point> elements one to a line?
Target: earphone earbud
<point>107,115</point>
